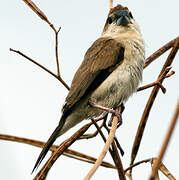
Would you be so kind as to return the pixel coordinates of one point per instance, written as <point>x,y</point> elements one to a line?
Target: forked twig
<point>44,17</point>
<point>149,104</point>
<point>115,158</point>
<point>158,81</point>
<point>166,141</point>
<point>105,149</point>
<point>41,66</point>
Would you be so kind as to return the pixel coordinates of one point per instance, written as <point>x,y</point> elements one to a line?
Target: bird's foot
<point>103,108</point>
<point>119,115</point>
<point>112,111</point>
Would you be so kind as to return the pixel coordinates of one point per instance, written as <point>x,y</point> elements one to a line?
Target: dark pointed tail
<point>49,143</point>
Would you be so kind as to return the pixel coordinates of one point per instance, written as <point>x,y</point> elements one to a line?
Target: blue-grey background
<point>31,99</point>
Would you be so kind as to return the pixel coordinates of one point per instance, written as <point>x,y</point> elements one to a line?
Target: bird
<point>109,74</point>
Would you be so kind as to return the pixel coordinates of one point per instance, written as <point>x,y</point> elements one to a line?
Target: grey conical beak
<point>123,20</point>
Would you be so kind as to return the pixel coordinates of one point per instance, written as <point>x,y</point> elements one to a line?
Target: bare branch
<point>136,164</point>
<point>69,153</point>
<point>149,104</point>
<point>56,51</point>
<point>41,66</point>
<point>160,51</point>
<point>158,81</point>
<point>105,149</point>
<point>165,143</point>
<point>44,17</point>
<point>36,10</point>
<point>110,4</point>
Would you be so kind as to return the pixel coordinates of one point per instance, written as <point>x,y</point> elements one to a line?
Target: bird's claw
<point>119,115</point>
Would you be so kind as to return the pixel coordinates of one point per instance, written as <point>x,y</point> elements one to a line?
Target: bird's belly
<point>117,88</point>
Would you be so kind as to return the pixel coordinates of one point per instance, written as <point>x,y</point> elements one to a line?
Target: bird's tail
<point>49,143</point>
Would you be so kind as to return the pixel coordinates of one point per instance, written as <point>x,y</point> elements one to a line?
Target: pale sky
<point>31,99</point>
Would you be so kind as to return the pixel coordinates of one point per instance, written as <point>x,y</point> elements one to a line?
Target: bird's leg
<point>121,109</point>
<point>105,109</point>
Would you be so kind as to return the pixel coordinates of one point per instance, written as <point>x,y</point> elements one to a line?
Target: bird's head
<point>119,20</point>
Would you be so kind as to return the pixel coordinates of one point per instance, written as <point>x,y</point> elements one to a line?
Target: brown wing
<point>104,54</point>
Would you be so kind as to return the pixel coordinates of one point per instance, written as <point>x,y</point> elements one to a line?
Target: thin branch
<point>69,153</point>
<point>165,143</point>
<point>160,51</point>
<point>158,81</point>
<point>105,149</point>
<point>115,139</point>
<point>44,17</point>
<point>112,152</point>
<point>37,10</point>
<point>110,4</point>
<point>118,162</point>
<point>88,136</point>
<point>136,164</point>
<point>166,172</point>
<point>149,105</point>
<point>56,51</point>
<point>41,66</point>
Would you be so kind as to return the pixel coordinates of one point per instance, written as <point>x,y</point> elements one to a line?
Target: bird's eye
<point>109,20</point>
<point>130,14</point>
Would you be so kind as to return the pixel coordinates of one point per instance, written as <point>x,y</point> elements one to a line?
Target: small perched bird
<point>108,76</point>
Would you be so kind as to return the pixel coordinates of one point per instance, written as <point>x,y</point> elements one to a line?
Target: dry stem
<point>165,143</point>
<point>150,102</point>
<point>69,152</point>
<point>105,149</point>
<point>158,82</point>
<point>41,66</point>
<point>110,4</point>
<point>160,51</point>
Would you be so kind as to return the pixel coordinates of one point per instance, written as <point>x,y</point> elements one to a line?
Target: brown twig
<point>56,51</point>
<point>44,17</point>
<point>160,51</point>
<point>104,151</point>
<point>163,169</point>
<point>112,152</point>
<point>157,82</point>
<point>69,153</point>
<point>88,136</point>
<point>37,10</point>
<point>41,66</point>
<point>165,143</point>
<point>115,139</point>
<point>136,164</point>
<point>149,104</point>
<point>110,4</point>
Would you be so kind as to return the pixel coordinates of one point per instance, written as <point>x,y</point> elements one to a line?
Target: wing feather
<point>104,53</point>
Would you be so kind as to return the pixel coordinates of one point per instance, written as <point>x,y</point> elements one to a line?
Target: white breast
<point>122,82</point>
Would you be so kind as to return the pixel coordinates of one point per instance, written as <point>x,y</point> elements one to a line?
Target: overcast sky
<point>31,99</point>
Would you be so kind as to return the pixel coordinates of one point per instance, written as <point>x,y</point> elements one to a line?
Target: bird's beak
<point>123,20</point>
